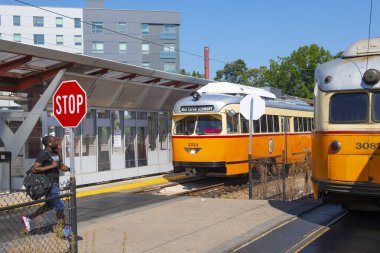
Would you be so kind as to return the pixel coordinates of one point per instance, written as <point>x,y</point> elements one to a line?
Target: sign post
<point>252,107</point>
<point>69,108</point>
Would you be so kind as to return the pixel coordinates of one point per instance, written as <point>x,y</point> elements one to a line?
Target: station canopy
<point>27,69</point>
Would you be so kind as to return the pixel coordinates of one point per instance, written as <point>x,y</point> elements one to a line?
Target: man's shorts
<point>56,203</point>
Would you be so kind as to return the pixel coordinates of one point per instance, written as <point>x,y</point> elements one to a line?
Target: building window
<point>97,47</point>
<point>17,37</point>
<point>78,40</point>
<point>169,47</point>
<point>77,23</point>
<point>38,21</point>
<point>169,67</point>
<point>122,27</point>
<point>145,29</point>
<point>97,27</point>
<point>123,47</point>
<point>145,48</point>
<point>16,20</point>
<point>58,22</point>
<point>39,39</point>
<point>59,39</point>
<point>145,65</point>
<point>169,29</point>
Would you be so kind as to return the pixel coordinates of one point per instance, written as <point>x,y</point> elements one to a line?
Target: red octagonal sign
<point>69,104</point>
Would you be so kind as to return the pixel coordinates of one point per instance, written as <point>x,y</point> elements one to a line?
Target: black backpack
<point>36,184</point>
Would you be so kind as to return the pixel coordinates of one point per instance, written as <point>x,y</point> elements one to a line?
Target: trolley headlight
<point>371,76</point>
<point>195,95</point>
<point>335,147</point>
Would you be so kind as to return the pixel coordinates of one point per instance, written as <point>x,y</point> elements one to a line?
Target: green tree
<point>193,74</point>
<point>238,72</point>
<point>234,72</point>
<point>197,74</point>
<point>294,74</point>
<point>183,72</point>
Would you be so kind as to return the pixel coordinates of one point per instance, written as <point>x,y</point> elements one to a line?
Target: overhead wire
<point>117,32</point>
<point>369,31</point>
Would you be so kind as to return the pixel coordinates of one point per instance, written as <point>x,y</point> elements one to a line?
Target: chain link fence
<point>46,234</point>
<point>273,178</point>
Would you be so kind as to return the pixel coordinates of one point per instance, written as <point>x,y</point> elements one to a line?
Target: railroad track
<point>200,190</point>
<point>199,186</point>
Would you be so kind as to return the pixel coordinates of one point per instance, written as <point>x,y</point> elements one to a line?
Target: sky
<point>253,30</point>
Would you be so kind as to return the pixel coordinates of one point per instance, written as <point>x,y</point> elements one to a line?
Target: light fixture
<point>195,95</point>
<point>230,113</point>
<point>371,76</point>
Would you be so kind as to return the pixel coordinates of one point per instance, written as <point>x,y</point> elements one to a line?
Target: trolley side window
<point>276,124</point>
<point>208,125</point>
<point>263,124</point>
<point>270,123</point>
<point>244,124</point>
<point>185,126</point>
<point>343,111</point>
<point>376,107</point>
<point>233,124</point>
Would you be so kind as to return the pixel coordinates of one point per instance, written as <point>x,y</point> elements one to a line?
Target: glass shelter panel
<point>104,139</point>
<point>130,138</point>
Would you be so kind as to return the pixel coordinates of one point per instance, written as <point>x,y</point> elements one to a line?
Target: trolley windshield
<point>200,124</point>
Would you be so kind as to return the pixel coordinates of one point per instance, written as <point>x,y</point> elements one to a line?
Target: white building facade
<point>39,27</point>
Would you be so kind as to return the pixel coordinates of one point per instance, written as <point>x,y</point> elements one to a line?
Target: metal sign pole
<point>250,150</point>
<point>74,227</point>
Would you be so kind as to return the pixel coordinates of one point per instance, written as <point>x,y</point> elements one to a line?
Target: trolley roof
<point>215,102</point>
<point>233,89</point>
<point>346,73</point>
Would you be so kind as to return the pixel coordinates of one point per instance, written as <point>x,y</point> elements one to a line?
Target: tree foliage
<point>293,74</point>
<point>193,74</point>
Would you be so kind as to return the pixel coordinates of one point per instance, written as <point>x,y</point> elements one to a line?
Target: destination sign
<point>198,108</point>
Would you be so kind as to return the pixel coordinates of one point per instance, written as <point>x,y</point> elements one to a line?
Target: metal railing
<point>46,234</point>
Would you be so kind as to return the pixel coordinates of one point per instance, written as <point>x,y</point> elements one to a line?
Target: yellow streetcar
<point>346,143</point>
<point>210,136</point>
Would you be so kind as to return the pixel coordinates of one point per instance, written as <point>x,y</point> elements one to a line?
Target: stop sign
<point>69,103</point>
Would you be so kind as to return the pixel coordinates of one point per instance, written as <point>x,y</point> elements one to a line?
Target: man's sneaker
<point>66,233</point>
<point>26,221</point>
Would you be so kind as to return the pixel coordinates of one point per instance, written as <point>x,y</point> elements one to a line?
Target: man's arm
<point>64,167</point>
<point>38,168</point>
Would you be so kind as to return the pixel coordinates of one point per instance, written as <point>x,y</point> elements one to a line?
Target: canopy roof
<point>28,69</point>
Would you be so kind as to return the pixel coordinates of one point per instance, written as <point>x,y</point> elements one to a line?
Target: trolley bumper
<point>360,189</point>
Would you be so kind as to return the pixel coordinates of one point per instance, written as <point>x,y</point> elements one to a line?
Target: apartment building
<point>142,38</point>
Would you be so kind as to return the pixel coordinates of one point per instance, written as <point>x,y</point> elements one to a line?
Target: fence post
<point>283,176</point>
<point>265,180</point>
<point>250,178</point>
<point>73,184</point>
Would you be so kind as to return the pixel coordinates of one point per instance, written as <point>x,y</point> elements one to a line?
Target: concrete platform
<point>130,184</point>
<point>188,224</point>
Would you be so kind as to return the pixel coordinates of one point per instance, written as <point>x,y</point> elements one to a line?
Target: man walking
<point>49,162</point>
